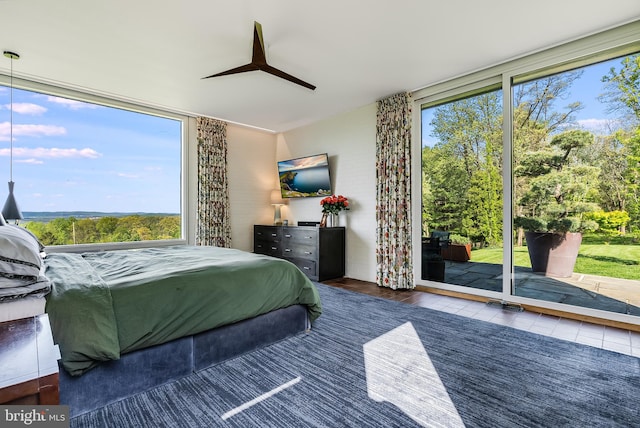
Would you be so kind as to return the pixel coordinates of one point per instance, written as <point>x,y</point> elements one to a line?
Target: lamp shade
<point>11,211</point>
<point>276,198</point>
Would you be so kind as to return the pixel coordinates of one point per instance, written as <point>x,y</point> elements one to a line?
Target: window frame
<point>619,41</point>
<point>186,162</point>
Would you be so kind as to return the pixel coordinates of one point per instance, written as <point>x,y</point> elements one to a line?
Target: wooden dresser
<point>319,252</point>
<point>28,362</point>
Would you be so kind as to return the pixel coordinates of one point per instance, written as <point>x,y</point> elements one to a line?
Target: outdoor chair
<point>441,239</point>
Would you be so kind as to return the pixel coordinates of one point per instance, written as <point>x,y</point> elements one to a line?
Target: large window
<point>562,167</point>
<point>576,175</point>
<point>87,173</point>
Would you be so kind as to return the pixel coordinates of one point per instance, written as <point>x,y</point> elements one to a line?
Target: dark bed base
<point>144,369</point>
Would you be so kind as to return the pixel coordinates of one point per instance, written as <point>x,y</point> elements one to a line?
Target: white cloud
<point>26,108</point>
<point>29,130</point>
<point>127,175</point>
<point>597,124</point>
<point>50,153</point>
<point>70,104</point>
<point>30,161</point>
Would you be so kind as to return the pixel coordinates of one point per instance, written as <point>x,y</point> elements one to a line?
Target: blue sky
<point>74,156</point>
<point>592,117</point>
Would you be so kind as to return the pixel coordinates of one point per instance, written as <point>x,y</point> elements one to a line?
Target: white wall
<point>350,141</point>
<point>251,158</point>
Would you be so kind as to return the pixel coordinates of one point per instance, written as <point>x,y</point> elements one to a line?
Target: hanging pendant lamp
<point>11,211</point>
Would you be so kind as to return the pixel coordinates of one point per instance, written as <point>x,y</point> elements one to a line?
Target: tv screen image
<point>305,177</point>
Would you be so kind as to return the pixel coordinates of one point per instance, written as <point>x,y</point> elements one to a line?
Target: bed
<point>129,320</point>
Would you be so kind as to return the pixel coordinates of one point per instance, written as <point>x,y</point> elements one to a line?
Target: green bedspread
<point>106,303</point>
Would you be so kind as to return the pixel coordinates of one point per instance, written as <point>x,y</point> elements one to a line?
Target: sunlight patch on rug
<point>399,371</point>
<point>257,400</point>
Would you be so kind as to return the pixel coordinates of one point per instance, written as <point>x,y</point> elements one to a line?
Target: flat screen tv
<point>305,177</point>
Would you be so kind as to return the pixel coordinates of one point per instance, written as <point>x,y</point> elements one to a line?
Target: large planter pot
<point>553,254</point>
<point>457,252</point>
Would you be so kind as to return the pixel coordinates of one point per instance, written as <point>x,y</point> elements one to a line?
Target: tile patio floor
<point>589,291</point>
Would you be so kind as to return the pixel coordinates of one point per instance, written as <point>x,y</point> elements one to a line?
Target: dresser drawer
<point>268,233</point>
<point>319,252</point>
<point>268,248</point>
<point>308,267</point>
<point>300,235</point>
<point>299,251</point>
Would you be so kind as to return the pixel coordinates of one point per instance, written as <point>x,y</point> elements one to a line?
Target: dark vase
<point>553,254</point>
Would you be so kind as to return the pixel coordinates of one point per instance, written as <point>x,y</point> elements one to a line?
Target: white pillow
<point>19,255</point>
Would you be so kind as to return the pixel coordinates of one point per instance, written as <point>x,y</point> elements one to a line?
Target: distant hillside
<point>45,216</point>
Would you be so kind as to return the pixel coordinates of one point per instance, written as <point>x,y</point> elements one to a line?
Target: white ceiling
<point>156,52</point>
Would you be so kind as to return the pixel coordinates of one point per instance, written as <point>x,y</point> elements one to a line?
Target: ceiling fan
<point>259,62</point>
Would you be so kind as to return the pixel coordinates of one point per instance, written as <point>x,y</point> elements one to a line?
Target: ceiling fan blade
<point>259,56</point>
<point>241,69</point>
<point>259,62</point>
<point>279,73</point>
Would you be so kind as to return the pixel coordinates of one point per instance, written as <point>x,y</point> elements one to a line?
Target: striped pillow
<point>20,260</point>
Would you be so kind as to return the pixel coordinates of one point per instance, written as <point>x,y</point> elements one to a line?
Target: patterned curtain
<point>213,226</point>
<point>394,268</point>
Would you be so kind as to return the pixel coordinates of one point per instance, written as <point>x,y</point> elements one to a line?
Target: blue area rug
<point>370,362</point>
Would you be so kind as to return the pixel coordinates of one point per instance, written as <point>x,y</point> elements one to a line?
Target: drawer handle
<point>306,268</point>
<point>274,234</point>
<point>307,252</point>
<point>309,237</point>
<point>287,236</point>
<point>274,248</point>
<point>259,233</point>
<point>287,250</point>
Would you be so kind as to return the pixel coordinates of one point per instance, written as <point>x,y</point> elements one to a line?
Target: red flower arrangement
<point>334,204</point>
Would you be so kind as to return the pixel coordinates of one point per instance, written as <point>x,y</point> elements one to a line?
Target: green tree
<point>61,231</point>
<point>85,232</point>
<point>168,227</point>
<point>106,226</point>
<point>469,145</point>
<point>65,231</point>
<point>484,207</point>
<point>560,186</point>
<point>622,88</point>
<point>622,94</point>
<point>537,116</point>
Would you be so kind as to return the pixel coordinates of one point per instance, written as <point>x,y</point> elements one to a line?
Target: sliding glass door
<point>530,182</point>
<point>462,190</point>
<point>576,206</point>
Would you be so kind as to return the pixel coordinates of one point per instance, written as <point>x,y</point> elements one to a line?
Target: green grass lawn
<point>595,258</point>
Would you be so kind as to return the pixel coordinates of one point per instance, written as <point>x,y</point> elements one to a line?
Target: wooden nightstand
<point>28,362</point>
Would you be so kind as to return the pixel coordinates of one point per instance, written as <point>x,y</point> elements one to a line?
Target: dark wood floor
<point>416,296</point>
